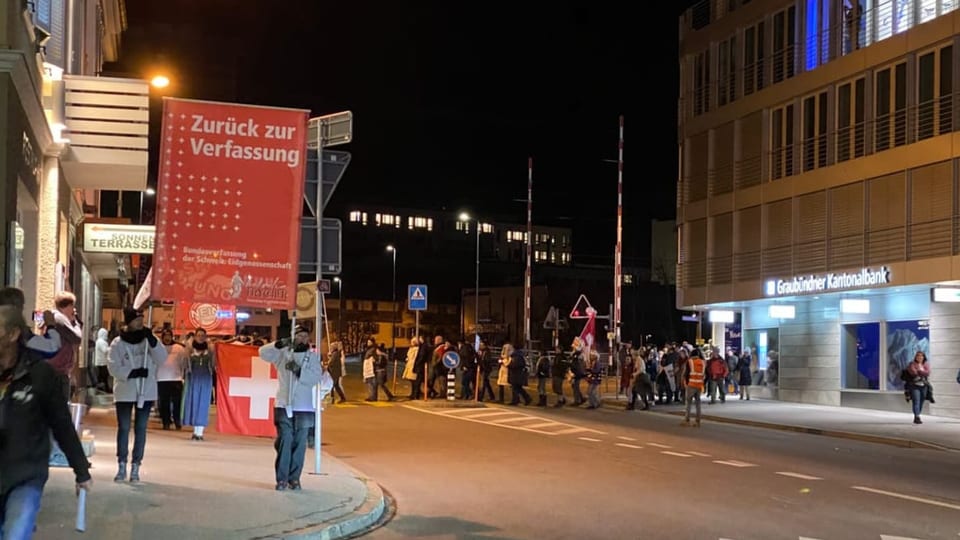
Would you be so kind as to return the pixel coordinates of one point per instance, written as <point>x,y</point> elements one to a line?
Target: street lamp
<point>149,192</point>
<point>160,81</point>
<point>465,217</point>
<point>339,283</point>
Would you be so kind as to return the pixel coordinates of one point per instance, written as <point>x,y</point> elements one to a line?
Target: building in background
<point>663,252</point>
<point>817,197</point>
<point>68,133</point>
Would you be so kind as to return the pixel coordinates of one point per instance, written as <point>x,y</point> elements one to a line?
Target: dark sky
<point>450,98</point>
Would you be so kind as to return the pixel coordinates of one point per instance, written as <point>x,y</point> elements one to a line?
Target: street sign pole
<point>322,125</point>
<point>450,361</point>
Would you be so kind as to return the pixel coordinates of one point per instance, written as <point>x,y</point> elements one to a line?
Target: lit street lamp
<point>465,217</point>
<point>393,327</point>
<point>160,81</point>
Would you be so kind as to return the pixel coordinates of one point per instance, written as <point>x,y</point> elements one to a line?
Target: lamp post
<point>150,192</point>
<point>393,326</point>
<point>339,283</point>
<point>465,217</point>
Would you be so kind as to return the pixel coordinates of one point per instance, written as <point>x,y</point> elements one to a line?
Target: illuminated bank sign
<point>823,283</point>
<point>115,238</point>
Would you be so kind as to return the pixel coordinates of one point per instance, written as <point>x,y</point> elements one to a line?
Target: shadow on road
<point>461,530</point>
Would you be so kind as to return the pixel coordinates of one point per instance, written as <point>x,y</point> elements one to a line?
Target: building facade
<point>818,191</point>
<point>65,133</point>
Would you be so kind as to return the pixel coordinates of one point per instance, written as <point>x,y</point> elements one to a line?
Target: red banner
<point>216,319</point>
<point>246,391</point>
<point>230,198</point>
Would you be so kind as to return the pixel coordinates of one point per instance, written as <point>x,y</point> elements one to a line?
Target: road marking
<point>677,454</point>
<point>509,420</point>
<point>734,463</point>
<point>570,428</point>
<point>588,439</point>
<point>622,438</point>
<point>798,475</point>
<point>698,454</point>
<point>889,537</point>
<point>908,497</point>
<point>543,424</point>
<point>486,414</point>
<point>345,405</point>
<point>377,403</point>
<point>465,409</point>
<point>658,445</point>
<point>625,445</point>
<point>806,538</point>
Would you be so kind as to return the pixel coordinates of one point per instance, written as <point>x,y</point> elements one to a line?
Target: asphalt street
<point>526,472</point>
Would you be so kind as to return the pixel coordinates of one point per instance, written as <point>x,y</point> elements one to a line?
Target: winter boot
<point>121,472</point>
<point>135,472</point>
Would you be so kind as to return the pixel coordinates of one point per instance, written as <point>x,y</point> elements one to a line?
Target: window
<point>815,131</point>
<point>753,59</point>
<point>358,217</point>
<point>784,44</point>
<point>727,79</point>
<point>416,222</point>
<point>891,107</point>
<point>463,226</point>
<point>516,236</point>
<point>817,34</point>
<point>540,255</point>
<point>851,112</point>
<point>389,220</point>
<point>701,83</point>
<point>861,356</point>
<point>934,93</point>
<point>893,17</point>
<point>486,228</point>
<point>781,146</point>
<point>565,258</point>
<point>904,339</point>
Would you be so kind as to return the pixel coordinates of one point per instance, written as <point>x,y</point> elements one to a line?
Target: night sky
<point>450,99</point>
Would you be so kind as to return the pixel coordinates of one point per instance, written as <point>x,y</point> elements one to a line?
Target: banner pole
<point>318,209</point>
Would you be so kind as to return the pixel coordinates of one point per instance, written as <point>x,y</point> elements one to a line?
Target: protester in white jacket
<point>298,371</point>
<point>134,360</point>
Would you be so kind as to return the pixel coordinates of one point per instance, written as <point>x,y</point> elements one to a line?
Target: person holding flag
<point>298,371</point>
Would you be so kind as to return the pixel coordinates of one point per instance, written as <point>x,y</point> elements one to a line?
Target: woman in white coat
<point>134,360</point>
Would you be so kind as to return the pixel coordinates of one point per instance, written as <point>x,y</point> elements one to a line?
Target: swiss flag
<point>589,333</point>
<point>246,391</point>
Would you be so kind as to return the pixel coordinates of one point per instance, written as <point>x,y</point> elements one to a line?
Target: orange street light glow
<point>160,81</point>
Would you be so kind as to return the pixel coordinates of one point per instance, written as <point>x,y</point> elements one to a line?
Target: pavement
<point>867,425</point>
<point>220,488</point>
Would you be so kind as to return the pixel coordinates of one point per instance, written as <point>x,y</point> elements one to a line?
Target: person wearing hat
<point>134,361</point>
<point>298,371</point>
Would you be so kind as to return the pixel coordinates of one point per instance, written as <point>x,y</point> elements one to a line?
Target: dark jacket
<point>30,409</point>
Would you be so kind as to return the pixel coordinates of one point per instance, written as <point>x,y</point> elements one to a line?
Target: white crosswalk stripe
<point>509,419</point>
<point>734,463</point>
<point>799,475</point>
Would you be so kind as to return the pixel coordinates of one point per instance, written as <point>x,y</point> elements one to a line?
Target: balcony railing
<point>107,122</point>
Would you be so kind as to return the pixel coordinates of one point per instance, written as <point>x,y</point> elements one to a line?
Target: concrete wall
<point>809,358</point>
<point>945,358</point>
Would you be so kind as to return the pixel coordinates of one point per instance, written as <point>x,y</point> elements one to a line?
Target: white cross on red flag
<point>246,391</point>
<point>229,204</point>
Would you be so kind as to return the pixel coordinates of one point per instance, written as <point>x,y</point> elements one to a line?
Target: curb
<point>361,519</point>
<point>837,434</point>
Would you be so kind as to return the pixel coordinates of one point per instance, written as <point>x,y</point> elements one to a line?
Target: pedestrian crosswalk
<point>511,419</point>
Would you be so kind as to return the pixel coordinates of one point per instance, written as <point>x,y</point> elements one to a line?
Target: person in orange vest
<point>696,369</point>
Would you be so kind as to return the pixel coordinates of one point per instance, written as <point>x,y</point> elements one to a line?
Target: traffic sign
<point>417,297</point>
<point>335,163</point>
<point>451,360</point>
<point>323,286</point>
<point>332,249</point>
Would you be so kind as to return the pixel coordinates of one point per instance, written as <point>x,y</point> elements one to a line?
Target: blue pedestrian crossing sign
<point>451,360</point>
<point>417,297</point>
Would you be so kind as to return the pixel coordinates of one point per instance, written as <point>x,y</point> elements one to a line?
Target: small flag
<point>143,295</point>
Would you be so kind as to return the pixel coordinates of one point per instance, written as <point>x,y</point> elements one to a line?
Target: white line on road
<point>511,419</point>
<point>625,445</point>
<point>806,538</point>
<point>798,475</point>
<point>622,438</point>
<point>734,463</point>
<point>458,410</point>
<point>572,429</point>
<point>658,445</point>
<point>908,497</point>
<point>486,414</point>
<point>698,454</point>
<point>543,424</point>
<point>588,439</point>
<point>889,537</point>
<point>677,454</point>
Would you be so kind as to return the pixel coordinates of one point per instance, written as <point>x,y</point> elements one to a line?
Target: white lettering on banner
<point>244,128</point>
<point>866,277</point>
<point>259,387</point>
<point>113,238</point>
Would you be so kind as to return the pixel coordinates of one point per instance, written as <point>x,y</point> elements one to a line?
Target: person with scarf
<point>134,361</point>
<point>201,365</point>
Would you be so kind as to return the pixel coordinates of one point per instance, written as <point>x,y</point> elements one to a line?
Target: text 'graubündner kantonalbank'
<point>866,277</point>
<point>242,129</point>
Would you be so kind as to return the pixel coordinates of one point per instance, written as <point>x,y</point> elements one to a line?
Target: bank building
<point>818,216</point>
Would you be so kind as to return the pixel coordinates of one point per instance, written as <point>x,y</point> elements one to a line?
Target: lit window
<point>628,279</point>
<point>463,226</point>
<point>387,219</point>
<point>358,217</point>
<point>565,258</point>
<point>516,236</point>
<point>416,222</point>
<point>540,256</point>
<point>486,228</point>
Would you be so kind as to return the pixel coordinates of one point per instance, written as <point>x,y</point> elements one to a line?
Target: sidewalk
<point>883,427</point>
<point>216,489</point>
